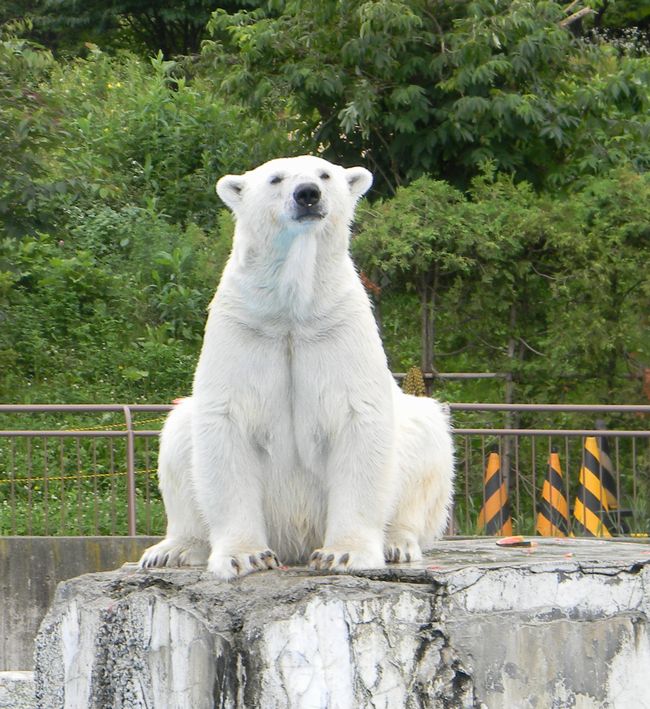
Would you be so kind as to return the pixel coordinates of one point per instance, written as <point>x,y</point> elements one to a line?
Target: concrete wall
<point>31,568</point>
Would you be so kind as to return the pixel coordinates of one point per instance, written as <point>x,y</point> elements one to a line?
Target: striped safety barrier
<point>553,510</point>
<point>494,517</point>
<point>616,521</point>
<point>606,473</point>
<point>591,507</point>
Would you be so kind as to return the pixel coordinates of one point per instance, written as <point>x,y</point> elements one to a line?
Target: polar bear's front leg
<point>227,482</point>
<point>360,478</point>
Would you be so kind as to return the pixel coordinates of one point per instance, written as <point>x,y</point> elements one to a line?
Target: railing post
<point>130,471</point>
<point>512,421</point>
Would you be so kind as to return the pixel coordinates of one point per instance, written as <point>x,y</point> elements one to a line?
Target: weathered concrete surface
<point>563,624</point>
<point>16,690</point>
<point>31,568</point>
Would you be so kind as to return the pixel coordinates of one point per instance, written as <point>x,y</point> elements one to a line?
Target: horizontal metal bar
<point>430,376</point>
<point>76,434</point>
<point>81,408</point>
<point>457,431</point>
<point>162,408</point>
<point>547,432</point>
<point>569,408</point>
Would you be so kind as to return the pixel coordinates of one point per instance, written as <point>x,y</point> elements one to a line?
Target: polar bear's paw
<point>231,566</point>
<point>175,552</point>
<point>401,549</point>
<point>335,559</point>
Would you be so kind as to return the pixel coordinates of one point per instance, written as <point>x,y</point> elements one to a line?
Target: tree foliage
<point>508,231</point>
<point>619,15</point>
<point>111,241</point>
<point>66,26</point>
<point>420,89</point>
<point>548,289</point>
<point>27,131</point>
<point>601,283</point>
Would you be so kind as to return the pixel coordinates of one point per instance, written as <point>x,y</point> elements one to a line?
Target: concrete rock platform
<point>562,623</point>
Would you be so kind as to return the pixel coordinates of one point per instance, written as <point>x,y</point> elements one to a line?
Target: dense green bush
<point>549,289</point>
<point>112,240</point>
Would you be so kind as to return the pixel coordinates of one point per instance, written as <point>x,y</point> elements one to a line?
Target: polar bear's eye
<point>325,176</point>
<point>276,180</point>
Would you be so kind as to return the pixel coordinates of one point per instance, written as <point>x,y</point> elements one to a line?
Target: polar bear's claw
<point>333,560</point>
<point>175,552</point>
<point>399,551</point>
<point>231,566</point>
<point>320,560</point>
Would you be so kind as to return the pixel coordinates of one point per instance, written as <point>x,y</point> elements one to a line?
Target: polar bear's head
<point>295,194</point>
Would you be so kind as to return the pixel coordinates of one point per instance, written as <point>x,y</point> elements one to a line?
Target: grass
<point>81,507</point>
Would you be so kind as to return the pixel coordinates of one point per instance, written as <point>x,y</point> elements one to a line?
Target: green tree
<point>421,240</point>
<point>598,334</point>
<point>468,256</point>
<point>417,90</point>
<point>549,288</point>
<point>28,130</point>
<point>111,234</point>
<point>621,14</point>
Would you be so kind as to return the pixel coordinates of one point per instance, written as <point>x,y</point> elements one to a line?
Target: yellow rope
<point>76,476</point>
<point>108,426</point>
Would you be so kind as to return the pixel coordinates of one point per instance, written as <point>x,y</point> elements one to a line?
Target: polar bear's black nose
<point>307,194</point>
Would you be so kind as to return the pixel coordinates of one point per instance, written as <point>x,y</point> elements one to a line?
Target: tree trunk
<point>511,418</point>
<point>613,315</point>
<point>428,287</point>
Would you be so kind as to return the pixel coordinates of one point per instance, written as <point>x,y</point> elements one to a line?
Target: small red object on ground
<point>514,542</point>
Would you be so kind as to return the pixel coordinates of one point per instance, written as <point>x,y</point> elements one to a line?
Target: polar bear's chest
<point>294,278</point>
<point>279,284</point>
<point>307,405</point>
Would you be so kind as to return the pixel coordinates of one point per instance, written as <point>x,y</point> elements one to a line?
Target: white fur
<point>296,440</point>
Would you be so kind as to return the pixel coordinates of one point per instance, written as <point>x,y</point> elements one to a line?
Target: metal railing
<point>27,469</point>
<point>90,469</point>
<point>525,435</point>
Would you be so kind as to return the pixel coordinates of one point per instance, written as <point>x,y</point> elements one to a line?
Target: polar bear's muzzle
<point>308,203</point>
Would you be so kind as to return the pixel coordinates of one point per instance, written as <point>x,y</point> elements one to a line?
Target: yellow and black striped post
<point>606,473</point>
<point>591,506</point>
<point>494,517</point>
<point>615,520</point>
<point>553,510</point>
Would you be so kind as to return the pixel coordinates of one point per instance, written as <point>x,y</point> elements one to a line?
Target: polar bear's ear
<point>230,189</point>
<point>359,180</point>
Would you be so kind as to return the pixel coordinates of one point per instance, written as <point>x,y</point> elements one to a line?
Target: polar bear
<point>296,445</point>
